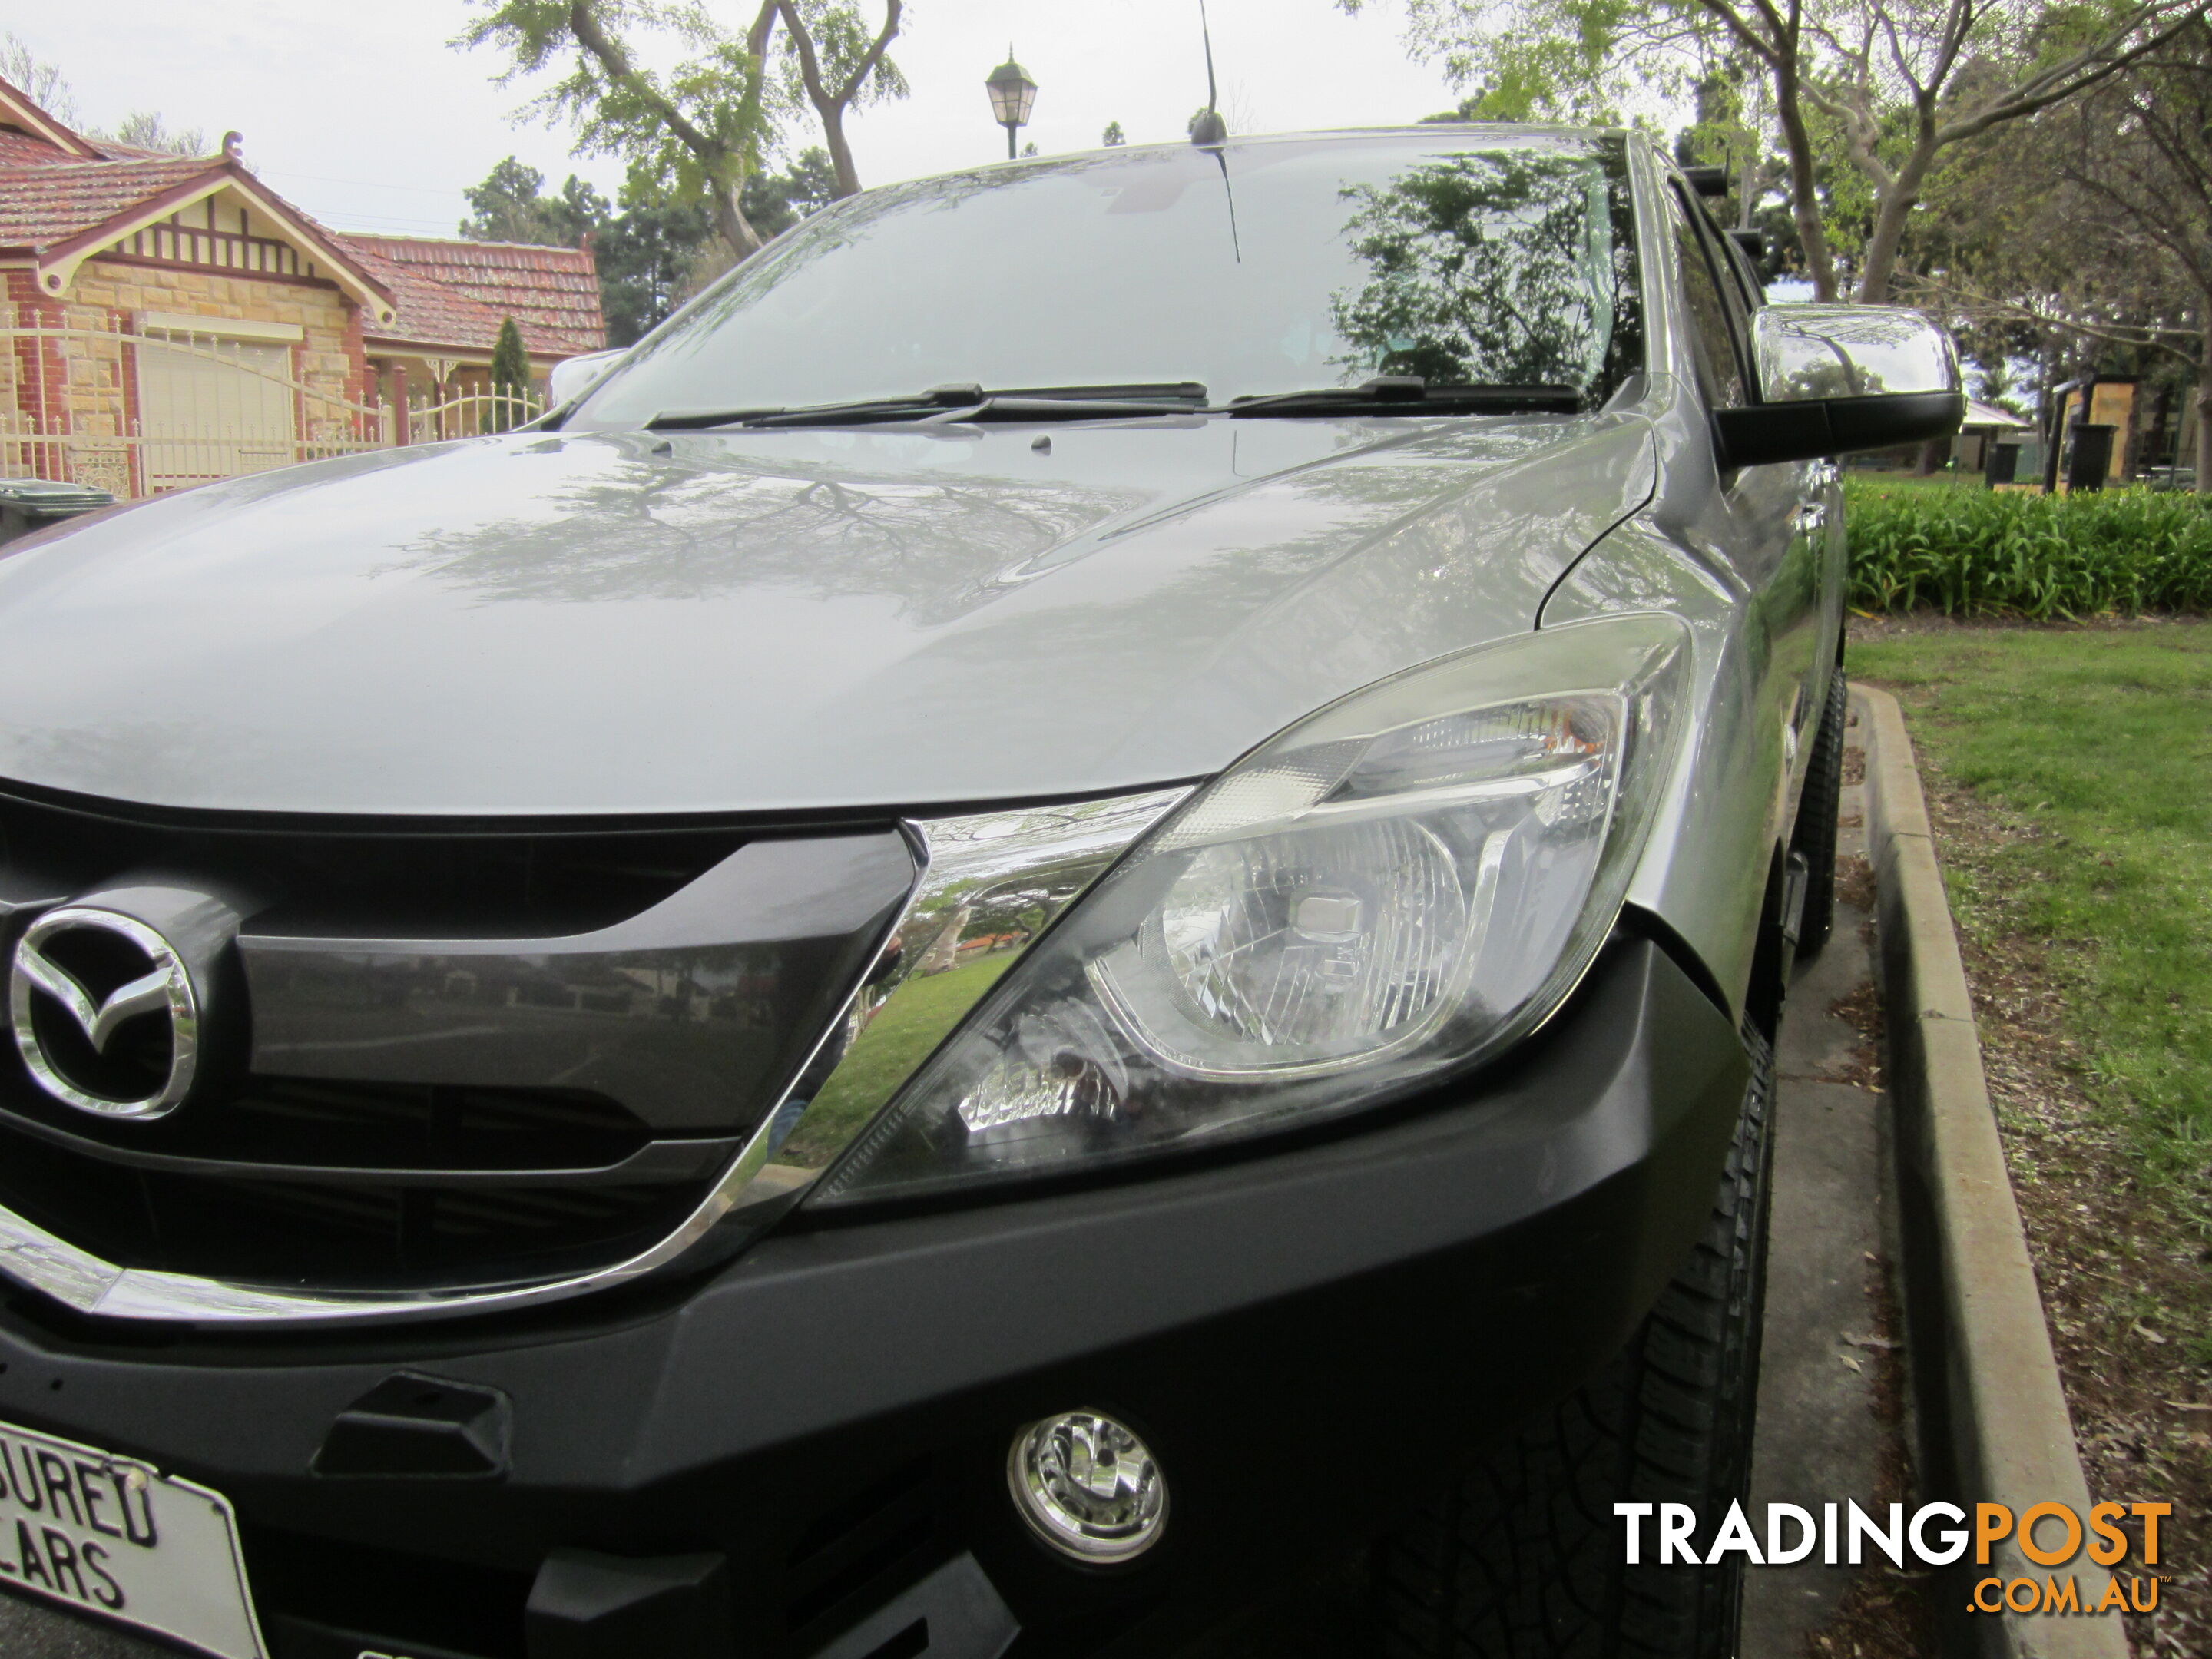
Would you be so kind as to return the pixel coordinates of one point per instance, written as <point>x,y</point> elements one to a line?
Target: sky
<point>363,114</point>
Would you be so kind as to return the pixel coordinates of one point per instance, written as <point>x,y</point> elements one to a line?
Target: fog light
<point>1088,1486</point>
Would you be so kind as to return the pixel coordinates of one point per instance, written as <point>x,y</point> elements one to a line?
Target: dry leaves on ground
<point>2123,1280</point>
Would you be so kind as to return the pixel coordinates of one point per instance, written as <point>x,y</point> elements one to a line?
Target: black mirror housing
<point>1812,428</point>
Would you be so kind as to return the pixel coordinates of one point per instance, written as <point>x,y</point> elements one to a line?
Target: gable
<point>18,114</point>
<point>177,209</point>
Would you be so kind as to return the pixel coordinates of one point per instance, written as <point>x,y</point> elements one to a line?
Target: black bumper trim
<point>1396,1295</point>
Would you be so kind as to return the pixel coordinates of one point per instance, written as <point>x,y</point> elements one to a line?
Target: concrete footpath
<point>1831,1394</point>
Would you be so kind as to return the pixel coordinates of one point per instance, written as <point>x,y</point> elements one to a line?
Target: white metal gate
<point>140,413</point>
<point>213,410</point>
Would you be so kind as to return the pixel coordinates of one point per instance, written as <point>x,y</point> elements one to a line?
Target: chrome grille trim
<point>1055,853</point>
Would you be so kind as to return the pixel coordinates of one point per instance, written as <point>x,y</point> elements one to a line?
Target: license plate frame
<point>112,1536</point>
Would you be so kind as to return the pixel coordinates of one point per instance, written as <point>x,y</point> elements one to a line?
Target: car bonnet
<point>549,624</point>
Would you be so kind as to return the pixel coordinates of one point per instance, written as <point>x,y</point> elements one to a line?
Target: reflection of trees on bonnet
<point>1503,269</point>
<point>634,528</point>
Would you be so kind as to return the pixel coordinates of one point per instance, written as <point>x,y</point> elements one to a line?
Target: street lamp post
<point>1011,92</point>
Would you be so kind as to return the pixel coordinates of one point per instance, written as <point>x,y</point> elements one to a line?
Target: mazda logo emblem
<point>85,990</point>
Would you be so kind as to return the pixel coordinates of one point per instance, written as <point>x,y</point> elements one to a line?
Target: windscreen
<point>1468,258</point>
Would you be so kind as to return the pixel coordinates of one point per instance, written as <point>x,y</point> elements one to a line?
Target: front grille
<point>466,1127</point>
<point>480,882</point>
<point>288,1231</point>
<point>311,1123</point>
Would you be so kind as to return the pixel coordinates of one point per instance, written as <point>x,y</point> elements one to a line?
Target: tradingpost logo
<point>2050,1535</point>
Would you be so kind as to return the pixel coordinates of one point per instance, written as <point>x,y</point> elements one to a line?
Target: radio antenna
<point>1209,131</point>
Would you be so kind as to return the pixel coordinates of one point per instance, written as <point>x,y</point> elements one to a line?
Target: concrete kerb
<point>1994,1423</point>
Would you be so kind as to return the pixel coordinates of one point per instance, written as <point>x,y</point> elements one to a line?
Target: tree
<point>830,61</point>
<point>646,256</point>
<point>510,378</point>
<point>2109,201</point>
<point>658,249</point>
<point>1996,385</point>
<point>42,82</point>
<point>510,205</point>
<point>698,131</point>
<point>777,201</point>
<point>1896,83</point>
<point>1113,136</point>
<point>1950,71</point>
<point>144,129</point>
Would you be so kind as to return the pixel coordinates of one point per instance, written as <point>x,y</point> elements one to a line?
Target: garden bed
<point>1968,552</point>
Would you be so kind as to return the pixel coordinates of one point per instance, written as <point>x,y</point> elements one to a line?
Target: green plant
<point>1969,553</point>
<point>510,379</point>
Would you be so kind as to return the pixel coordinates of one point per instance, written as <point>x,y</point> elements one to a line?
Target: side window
<point>1720,362</point>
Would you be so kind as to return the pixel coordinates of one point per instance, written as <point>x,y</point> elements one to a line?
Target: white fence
<point>137,413</point>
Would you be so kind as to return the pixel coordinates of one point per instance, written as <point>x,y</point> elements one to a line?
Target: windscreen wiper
<point>1409,394</point>
<point>960,402</point>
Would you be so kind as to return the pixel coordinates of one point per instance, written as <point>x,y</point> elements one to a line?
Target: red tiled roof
<point>452,295</point>
<point>44,203</point>
<point>455,293</point>
<point>22,149</point>
<point>20,111</point>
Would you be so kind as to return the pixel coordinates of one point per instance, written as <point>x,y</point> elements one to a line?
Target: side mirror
<point>1834,379</point>
<point>572,377</point>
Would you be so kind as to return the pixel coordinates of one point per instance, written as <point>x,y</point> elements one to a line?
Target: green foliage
<point>842,39</point>
<point>510,205</point>
<point>650,253</point>
<point>1113,136</point>
<point>695,130</point>
<point>510,378</point>
<point>645,255</point>
<point>1580,61</point>
<point>2095,740</point>
<point>1968,552</point>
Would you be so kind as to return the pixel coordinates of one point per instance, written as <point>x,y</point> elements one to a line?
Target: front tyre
<point>1522,1559</point>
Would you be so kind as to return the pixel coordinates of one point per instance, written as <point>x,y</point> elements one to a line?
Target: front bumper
<point>1307,1337</point>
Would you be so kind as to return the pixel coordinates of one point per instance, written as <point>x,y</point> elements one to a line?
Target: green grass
<point>895,1044</point>
<point>1970,552</point>
<point>2101,740</point>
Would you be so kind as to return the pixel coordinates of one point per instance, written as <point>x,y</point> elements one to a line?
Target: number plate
<point>109,1534</point>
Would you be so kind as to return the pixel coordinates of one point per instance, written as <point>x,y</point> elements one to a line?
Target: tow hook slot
<point>422,1427</point>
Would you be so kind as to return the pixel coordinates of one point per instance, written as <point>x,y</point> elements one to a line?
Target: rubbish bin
<point>28,504</point>
<point>2089,456</point>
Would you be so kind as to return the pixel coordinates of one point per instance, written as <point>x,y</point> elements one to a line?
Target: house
<point>1985,427</point>
<point>171,319</point>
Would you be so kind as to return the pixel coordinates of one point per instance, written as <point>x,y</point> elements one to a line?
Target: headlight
<point>1395,887</point>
